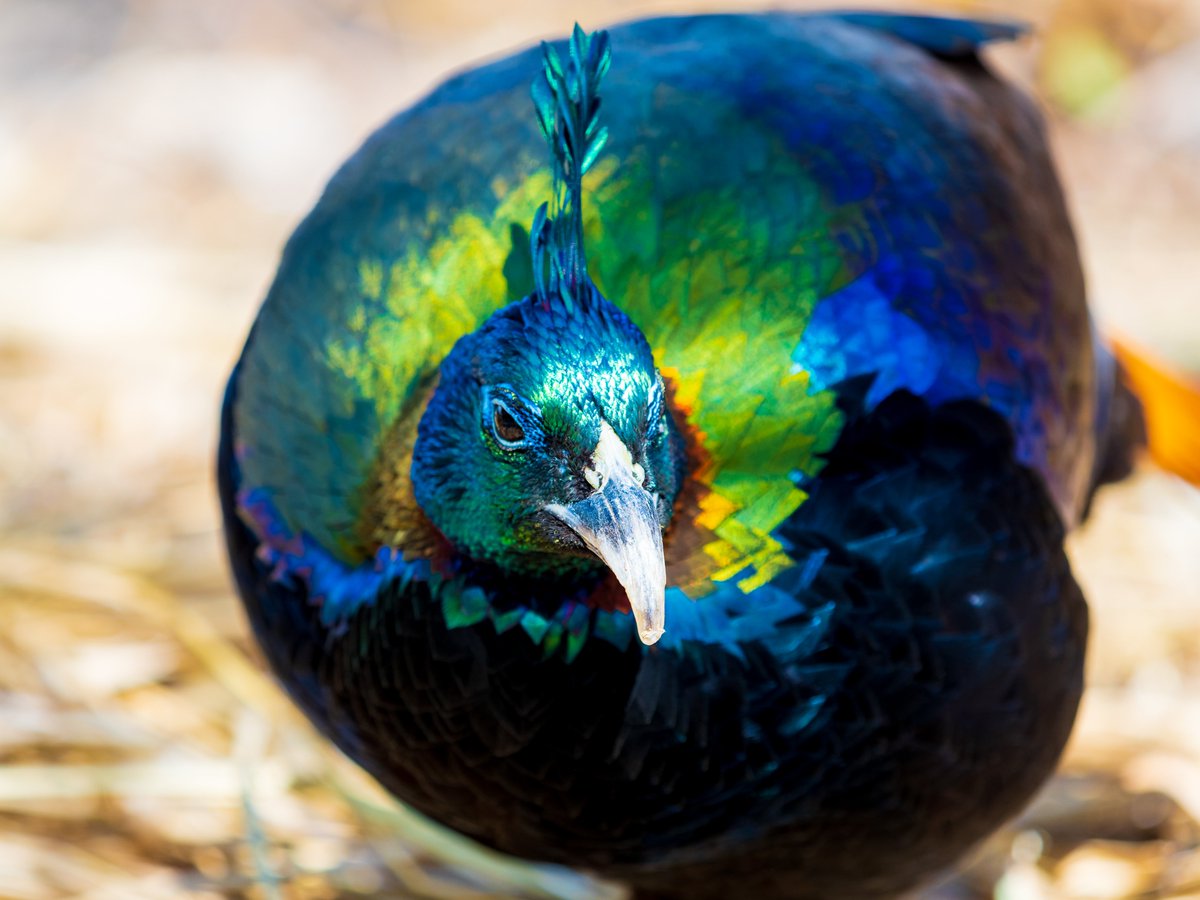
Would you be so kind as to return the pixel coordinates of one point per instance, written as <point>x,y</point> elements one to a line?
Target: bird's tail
<point>1170,406</point>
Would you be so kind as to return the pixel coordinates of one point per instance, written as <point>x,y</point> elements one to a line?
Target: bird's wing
<point>943,36</point>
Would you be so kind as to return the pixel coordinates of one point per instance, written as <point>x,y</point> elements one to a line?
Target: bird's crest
<point>567,103</point>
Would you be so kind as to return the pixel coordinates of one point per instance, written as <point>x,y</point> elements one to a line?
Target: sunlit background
<point>154,155</point>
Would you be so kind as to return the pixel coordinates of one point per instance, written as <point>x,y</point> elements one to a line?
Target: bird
<point>655,452</point>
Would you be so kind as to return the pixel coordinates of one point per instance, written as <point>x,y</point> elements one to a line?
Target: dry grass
<point>153,156</point>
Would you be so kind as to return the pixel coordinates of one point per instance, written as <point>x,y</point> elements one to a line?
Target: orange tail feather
<point>1171,403</point>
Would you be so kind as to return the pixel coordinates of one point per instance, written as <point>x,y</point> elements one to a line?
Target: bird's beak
<point>619,523</point>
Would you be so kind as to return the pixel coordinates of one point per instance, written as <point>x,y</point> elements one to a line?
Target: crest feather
<point>566,101</point>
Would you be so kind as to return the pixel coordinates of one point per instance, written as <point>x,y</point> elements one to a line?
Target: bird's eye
<point>508,430</point>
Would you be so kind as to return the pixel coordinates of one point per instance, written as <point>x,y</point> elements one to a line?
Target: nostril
<point>639,473</point>
<point>593,478</point>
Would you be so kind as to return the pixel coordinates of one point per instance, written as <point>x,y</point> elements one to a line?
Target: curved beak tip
<point>650,635</point>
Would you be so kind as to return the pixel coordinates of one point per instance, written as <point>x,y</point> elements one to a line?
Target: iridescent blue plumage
<point>830,339</point>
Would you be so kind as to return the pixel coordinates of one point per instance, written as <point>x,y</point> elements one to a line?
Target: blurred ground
<point>153,157</point>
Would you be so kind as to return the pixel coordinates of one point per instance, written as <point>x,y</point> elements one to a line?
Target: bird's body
<point>882,406</point>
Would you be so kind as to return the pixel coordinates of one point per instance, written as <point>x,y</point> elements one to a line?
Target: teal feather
<point>566,100</point>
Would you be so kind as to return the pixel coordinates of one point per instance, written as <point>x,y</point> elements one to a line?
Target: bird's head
<point>548,442</point>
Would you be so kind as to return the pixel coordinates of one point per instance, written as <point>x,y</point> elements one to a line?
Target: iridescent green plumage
<point>390,315</point>
<point>546,442</point>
